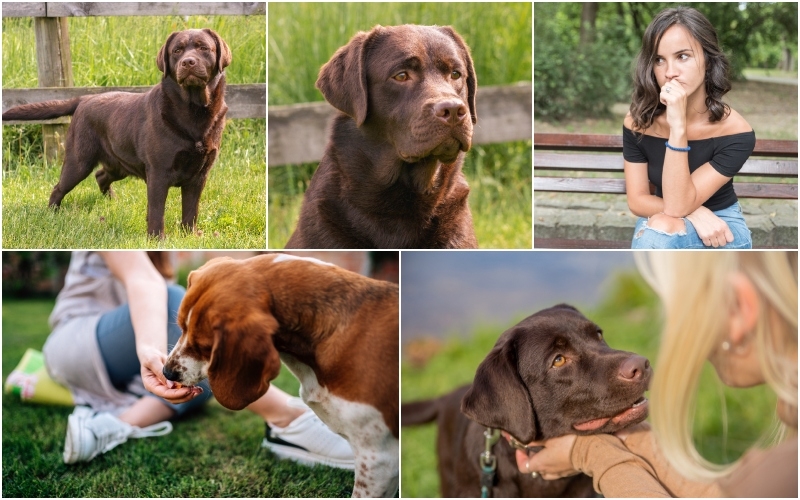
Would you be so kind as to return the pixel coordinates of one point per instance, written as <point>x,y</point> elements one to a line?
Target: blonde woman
<point>737,310</point>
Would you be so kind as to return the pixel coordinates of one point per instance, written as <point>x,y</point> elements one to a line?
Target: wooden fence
<point>298,132</point>
<point>55,64</point>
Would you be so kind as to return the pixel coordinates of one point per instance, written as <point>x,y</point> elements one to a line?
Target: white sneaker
<point>309,441</point>
<point>90,434</point>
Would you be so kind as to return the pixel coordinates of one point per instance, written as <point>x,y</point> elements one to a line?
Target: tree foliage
<point>583,57</point>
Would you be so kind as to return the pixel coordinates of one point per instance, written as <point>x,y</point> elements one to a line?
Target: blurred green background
<point>303,36</point>
<point>585,50</point>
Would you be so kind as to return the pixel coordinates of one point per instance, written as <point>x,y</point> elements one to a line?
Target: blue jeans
<point>118,348</point>
<point>646,237</point>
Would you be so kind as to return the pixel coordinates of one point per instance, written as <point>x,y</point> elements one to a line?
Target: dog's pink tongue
<point>592,424</point>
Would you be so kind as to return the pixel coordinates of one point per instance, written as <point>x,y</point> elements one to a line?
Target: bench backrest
<point>603,153</point>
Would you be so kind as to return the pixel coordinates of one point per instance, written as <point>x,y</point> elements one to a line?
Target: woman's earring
<point>726,346</point>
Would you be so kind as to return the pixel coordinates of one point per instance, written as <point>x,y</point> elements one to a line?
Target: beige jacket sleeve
<point>634,468</point>
<point>615,471</point>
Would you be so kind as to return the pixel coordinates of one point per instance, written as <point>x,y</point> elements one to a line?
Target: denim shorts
<point>646,237</point>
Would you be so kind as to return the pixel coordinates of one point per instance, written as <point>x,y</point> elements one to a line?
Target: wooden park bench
<point>559,157</point>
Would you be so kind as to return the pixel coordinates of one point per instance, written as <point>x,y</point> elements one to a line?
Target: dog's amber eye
<point>455,75</point>
<point>401,77</point>
<point>559,361</point>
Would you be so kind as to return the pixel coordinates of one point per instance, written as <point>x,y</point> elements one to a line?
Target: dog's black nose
<point>171,375</point>
<point>450,111</point>
<point>634,368</point>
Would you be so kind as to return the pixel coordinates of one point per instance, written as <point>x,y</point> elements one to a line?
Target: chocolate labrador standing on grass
<point>551,374</point>
<point>391,174</point>
<point>168,136</point>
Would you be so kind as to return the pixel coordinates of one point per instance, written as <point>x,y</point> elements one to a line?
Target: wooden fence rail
<point>82,9</point>
<point>246,100</point>
<point>298,132</point>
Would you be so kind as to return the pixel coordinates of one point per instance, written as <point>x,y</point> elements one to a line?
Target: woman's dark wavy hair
<point>645,105</point>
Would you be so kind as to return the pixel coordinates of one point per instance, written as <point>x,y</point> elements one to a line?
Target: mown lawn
<point>121,51</point>
<point>630,321</point>
<point>302,37</point>
<point>213,453</point>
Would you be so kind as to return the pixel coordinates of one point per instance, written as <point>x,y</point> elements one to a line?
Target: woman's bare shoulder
<point>628,122</point>
<point>734,123</point>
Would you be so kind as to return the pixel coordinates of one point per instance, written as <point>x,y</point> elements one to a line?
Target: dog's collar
<point>530,450</point>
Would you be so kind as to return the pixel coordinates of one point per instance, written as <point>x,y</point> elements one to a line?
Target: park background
<point>212,453</point>
<point>456,304</point>
<point>583,56</point>
<point>303,36</point>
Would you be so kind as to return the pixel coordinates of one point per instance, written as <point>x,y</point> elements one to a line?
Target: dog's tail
<point>419,412</point>
<point>422,412</point>
<point>43,110</point>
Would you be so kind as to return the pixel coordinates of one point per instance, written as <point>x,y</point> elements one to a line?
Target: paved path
<point>606,217</point>
<point>772,79</point>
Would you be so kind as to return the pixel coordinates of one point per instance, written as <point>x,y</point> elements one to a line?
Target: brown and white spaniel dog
<point>335,330</point>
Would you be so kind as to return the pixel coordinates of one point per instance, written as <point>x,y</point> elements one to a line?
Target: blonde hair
<point>696,291</point>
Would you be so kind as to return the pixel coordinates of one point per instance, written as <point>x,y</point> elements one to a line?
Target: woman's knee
<point>667,225</point>
<point>660,233</point>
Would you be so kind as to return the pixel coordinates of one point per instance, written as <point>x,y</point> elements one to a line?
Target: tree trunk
<point>588,21</point>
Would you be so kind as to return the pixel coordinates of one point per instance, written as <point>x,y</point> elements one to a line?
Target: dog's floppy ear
<point>224,56</point>
<point>343,79</point>
<point>498,397</point>
<point>162,59</point>
<point>243,359</point>
<point>472,78</point>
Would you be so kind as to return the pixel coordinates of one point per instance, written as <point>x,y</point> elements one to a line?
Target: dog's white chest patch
<point>376,449</point>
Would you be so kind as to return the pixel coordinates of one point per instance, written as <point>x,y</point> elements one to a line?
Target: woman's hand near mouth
<point>674,97</point>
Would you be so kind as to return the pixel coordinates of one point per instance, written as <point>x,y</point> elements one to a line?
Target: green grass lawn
<point>303,36</point>
<point>630,319</point>
<point>213,453</point>
<point>120,51</point>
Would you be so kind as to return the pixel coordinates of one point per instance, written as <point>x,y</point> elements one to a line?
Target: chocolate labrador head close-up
<point>391,173</point>
<point>553,374</point>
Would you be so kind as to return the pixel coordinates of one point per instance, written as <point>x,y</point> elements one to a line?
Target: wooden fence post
<point>55,70</point>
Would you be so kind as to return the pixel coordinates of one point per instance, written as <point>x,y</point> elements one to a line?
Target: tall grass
<point>121,51</point>
<point>303,36</point>
<point>627,318</point>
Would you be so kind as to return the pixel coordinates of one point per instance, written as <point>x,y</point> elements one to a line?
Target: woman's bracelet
<point>682,150</point>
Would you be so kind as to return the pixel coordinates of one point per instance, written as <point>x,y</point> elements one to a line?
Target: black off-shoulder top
<point>726,154</point>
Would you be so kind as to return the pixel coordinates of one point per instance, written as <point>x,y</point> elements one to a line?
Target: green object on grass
<point>31,382</point>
